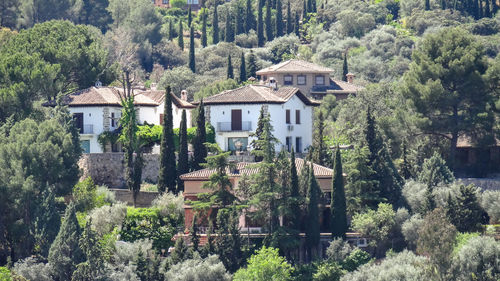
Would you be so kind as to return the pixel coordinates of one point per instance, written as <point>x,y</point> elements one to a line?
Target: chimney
<point>273,84</point>
<point>350,77</point>
<point>184,95</point>
<point>153,86</point>
<point>98,84</point>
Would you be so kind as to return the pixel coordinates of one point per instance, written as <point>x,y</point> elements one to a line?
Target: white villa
<point>234,115</point>
<point>98,109</point>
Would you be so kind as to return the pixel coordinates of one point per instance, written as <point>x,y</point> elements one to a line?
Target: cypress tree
<point>204,30</point>
<point>171,31</point>
<point>47,222</point>
<point>345,69</point>
<point>481,13</point>
<point>141,265</point>
<point>192,62</point>
<point>260,29</point>
<point>443,4</point>
<point>295,202</point>
<point>229,28</point>
<point>180,252</point>
<point>297,24</point>
<point>243,69</point>
<point>269,24</point>
<point>230,72</point>
<point>183,164</point>
<point>215,27</point>
<point>200,151</point>
<point>494,7</point>
<point>249,17</point>
<point>310,6</point>
<point>289,25</point>
<point>94,267</point>
<point>279,19</point>
<point>240,28</point>
<point>65,252</point>
<point>427,5</point>
<point>258,134</point>
<point>180,39</point>
<point>338,203</point>
<point>476,9</point>
<point>312,228</point>
<point>304,11</point>
<point>319,151</point>
<point>195,238</point>
<point>252,65</point>
<point>167,177</point>
<point>190,15</point>
<point>487,11</point>
<point>314,6</point>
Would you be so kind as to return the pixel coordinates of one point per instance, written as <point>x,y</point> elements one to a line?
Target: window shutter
<point>288,116</point>
<point>297,116</point>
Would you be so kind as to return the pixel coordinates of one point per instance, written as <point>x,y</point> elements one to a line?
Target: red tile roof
<point>295,66</point>
<point>159,96</point>
<point>250,169</point>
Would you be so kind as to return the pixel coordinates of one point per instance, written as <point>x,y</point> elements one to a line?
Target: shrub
<point>151,134</point>
<point>32,269</point>
<point>246,40</point>
<point>477,260</point>
<point>106,218</point>
<point>5,274</point>
<point>104,196</point>
<point>84,195</point>
<point>378,225</point>
<point>208,269</point>
<point>126,252</point>
<point>170,205</point>
<point>338,250</point>
<point>490,201</point>
<point>328,271</point>
<point>410,229</point>
<point>356,259</point>
<point>266,264</point>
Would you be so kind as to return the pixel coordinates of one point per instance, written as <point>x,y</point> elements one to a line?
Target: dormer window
<point>320,80</point>
<point>301,80</point>
<point>288,80</point>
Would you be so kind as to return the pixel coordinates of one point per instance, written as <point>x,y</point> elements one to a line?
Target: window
<point>112,119</point>
<point>288,80</point>
<point>237,144</point>
<point>165,2</point>
<point>298,144</point>
<point>288,142</point>
<point>288,116</point>
<point>297,116</point>
<point>85,144</point>
<point>78,121</point>
<point>320,80</point>
<point>301,80</point>
<point>161,118</point>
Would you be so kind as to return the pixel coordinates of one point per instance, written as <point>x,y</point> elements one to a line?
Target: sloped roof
<point>295,66</point>
<point>159,96</point>
<point>250,169</point>
<point>337,86</point>
<point>255,94</point>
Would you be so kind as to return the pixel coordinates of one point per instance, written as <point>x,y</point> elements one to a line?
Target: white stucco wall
<point>91,116</point>
<point>177,115</point>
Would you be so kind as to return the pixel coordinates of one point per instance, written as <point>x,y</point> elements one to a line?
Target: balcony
<point>230,127</point>
<point>86,129</point>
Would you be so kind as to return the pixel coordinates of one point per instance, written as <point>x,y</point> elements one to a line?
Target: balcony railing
<point>227,126</point>
<point>87,129</point>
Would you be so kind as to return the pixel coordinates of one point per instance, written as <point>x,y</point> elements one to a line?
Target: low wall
<point>144,198</point>
<point>108,168</point>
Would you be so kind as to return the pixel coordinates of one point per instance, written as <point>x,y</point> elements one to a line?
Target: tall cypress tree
<point>494,7</point>
<point>269,24</point>
<point>310,8</point>
<point>171,32</point>
<point>314,6</point>
<point>190,15</point>
<point>167,177</point>
<point>200,151</point>
<point>94,267</point>
<point>296,24</point>
<point>296,199</point>
<point>65,252</point>
<point>338,204</point>
<point>180,39</point>
<point>481,13</point>
<point>345,69</point>
<point>304,11</point>
<point>230,72</point>
<point>183,162</point>
<point>289,25</point>
<point>195,238</point>
<point>279,19</point>
<point>243,69</point>
<point>204,29</point>
<point>252,65</point>
<point>192,62</point>
<point>260,28</point>
<point>487,11</point>
<point>319,151</point>
<point>427,5</point>
<point>229,28</point>
<point>215,27</point>
<point>476,9</point>
<point>249,17</point>
<point>312,225</point>
<point>240,28</point>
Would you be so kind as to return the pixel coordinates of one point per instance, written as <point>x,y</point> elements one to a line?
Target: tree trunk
<point>454,139</point>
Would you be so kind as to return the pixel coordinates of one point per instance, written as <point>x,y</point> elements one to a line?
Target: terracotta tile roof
<point>158,96</point>
<point>290,66</point>
<point>337,86</point>
<point>250,169</point>
<point>252,94</point>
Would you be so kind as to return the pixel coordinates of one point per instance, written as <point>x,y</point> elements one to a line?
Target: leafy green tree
<point>312,224</point>
<point>338,204</point>
<point>200,151</point>
<point>279,19</point>
<point>33,12</point>
<point>229,37</point>
<point>446,85</point>
<point>477,259</point>
<point>65,253</point>
<point>204,29</point>
<point>94,12</point>
<point>289,23</point>
<point>269,25</point>
<point>265,264</point>
<point>260,28</point>
<point>183,162</point>
<point>192,61</point>
<point>215,27</point>
<point>180,38</point>
<point>94,267</point>
<point>243,69</point>
<point>230,72</point>
<point>167,177</point>
<point>250,22</point>
<point>252,65</point>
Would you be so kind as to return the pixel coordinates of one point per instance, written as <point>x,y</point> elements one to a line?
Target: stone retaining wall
<point>108,168</point>
<point>144,198</point>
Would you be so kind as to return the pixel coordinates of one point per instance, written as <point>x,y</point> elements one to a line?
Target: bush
<point>104,196</point>
<point>106,218</point>
<point>84,195</point>
<point>209,269</point>
<point>170,205</point>
<point>490,201</point>
<point>266,264</point>
<point>126,252</point>
<point>32,269</point>
<point>338,250</point>
<point>414,193</point>
<point>5,274</point>
<point>377,225</point>
<point>328,271</point>
<point>410,229</point>
<point>246,40</point>
<point>477,260</point>
<point>356,259</point>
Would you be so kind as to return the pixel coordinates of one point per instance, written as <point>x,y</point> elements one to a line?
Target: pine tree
<point>427,5</point>
<point>230,72</point>
<point>171,31</point>
<point>93,268</point>
<point>260,28</point>
<point>319,152</point>
<point>167,176</point>
<point>296,24</point>
<point>183,162</point>
<point>204,29</point>
<point>252,65</point>
<point>200,151</point>
<point>229,36</point>
<point>195,238</point>
<point>345,69</point>
<point>65,251</point>
<point>279,19</point>
<point>180,38</point>
<point>190,15</point>
<point>249,17</point>
<point>466,213</point>
<point>269,24</point>
<point>312,228</point>
<point>258,133</point>
<point>289,25</point>
<point>338,204</point>
<point>215,27</point>
<point>243,69</point>
<point>192,63</point>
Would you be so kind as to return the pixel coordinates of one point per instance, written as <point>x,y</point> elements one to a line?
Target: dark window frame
<point>285,82</point>
<point>287,117</point>
<point>316,80</point>
<point>297,116</point>
<point>301,76</point>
